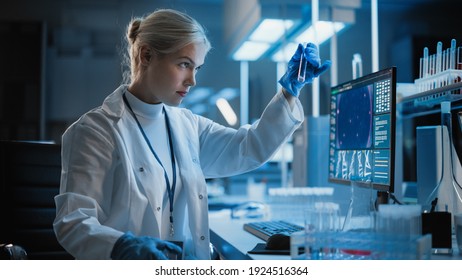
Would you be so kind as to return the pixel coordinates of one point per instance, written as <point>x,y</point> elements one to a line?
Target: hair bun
<point>133,30</point>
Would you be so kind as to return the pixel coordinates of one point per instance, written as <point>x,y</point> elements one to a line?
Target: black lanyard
<point>170,189</point>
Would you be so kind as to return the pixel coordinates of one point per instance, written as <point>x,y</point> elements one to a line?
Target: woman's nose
<point>191,79</point>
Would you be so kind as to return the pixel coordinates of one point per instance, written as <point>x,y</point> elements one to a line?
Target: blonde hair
<point>165,31</point>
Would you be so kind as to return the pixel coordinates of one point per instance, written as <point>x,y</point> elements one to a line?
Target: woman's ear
<point>146,54</point>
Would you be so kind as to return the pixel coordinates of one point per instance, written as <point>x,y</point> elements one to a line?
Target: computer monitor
<point>362,131</point>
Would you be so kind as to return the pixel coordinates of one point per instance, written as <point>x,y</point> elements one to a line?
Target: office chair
<point>29,179</point>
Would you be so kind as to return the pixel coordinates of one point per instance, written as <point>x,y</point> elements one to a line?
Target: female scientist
<point>133,170</point>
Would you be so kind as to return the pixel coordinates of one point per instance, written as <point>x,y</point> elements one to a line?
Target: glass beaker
<point>321,219</point>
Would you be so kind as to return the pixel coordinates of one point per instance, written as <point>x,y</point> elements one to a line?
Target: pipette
<point>302,66</point>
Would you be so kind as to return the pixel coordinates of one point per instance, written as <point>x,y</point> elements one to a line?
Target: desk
<point>233,242</point>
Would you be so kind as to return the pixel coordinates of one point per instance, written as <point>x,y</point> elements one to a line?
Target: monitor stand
<point>359,216</point>
<point>439,174</point>
<point>382,198</point>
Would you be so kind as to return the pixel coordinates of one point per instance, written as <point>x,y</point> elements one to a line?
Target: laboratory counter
<point>234,243</point>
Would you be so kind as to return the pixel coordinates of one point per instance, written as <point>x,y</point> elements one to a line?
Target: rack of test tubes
<point>288,203</point>
<point>440,79</point>
<point>395,234</point>
<point>346,245</point>
<point>439,71</point>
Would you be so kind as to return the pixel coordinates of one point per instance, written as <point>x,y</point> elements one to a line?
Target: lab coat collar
<point>113,104</point>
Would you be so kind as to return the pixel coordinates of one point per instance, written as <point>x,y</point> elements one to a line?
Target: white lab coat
<point>108,171</point>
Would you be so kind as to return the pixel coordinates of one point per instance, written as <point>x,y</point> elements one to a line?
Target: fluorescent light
<point>285,53</point>
<point>226,93</point>
<point>250,51</point>
<point>324,30</point>
<point>227,111</point>
<point>270,30</point>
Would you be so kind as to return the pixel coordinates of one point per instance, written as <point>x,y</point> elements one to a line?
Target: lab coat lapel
<point>179,139</point>
<point>143,165</point>
<point>186,153</point>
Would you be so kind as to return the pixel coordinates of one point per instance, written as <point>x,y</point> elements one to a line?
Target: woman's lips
<point>182,93</point>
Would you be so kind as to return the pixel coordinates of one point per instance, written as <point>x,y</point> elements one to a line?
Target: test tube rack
<point>439,70</point>
<point>359,246</point>
<point>288,203</point>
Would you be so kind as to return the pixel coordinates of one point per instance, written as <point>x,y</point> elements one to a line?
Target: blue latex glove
<point>314,68</point>
<point>130,247</point>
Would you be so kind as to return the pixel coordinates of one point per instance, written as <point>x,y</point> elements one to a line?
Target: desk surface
<point>233,242</point>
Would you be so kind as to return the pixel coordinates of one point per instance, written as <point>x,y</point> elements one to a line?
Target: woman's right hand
<point>130,247</point>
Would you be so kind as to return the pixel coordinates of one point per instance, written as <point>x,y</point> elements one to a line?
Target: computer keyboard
<point>265,229</point>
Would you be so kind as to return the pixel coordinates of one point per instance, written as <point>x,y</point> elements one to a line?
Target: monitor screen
<point>362,131</point>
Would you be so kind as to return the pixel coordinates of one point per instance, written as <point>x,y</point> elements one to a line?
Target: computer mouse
<point>278,241</point>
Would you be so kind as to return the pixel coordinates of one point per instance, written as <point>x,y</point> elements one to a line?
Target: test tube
<point>439,48</point>
<point>425,62</point>
<point>443,61</point>
<point>421,68</point>
<point>302,66</point>
<point>459,58</point>
<point>432,70</point>
<point>453,54</point>
<point>448,59</point>
<point>357,64</point>
<point>449,64</point>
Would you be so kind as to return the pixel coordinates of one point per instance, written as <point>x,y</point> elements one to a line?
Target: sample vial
<point>302,65</point>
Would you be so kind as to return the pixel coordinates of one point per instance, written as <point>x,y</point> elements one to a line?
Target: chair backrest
<point>29,179</point>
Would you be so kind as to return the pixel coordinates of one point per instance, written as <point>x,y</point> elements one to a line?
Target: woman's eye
<point>184,64</point>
